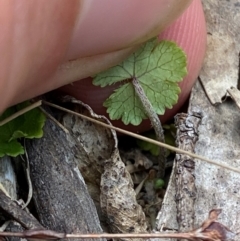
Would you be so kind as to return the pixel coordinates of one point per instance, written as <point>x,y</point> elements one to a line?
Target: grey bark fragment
<point>220,70</point>
<point>219,140</point>
<point>177,211</point>
<point>8,177</point>
<point>235,95</point>
<point>62,200</point>
<point>14,227</point>
<point>219,135</point>
<point>105,173</point>
<point>187,136</point>
<point>15,212</point>
<point>118,199</point>
<point>8,183</point>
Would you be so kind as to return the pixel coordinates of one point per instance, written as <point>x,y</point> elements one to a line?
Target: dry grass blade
<point>51,235</point>
<point>175,149</point>
<point>39,103</point>
<point>21,112</point>
<point>210,230</point>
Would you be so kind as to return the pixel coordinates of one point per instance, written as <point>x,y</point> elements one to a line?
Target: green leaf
<point>12,148</point>
<point>28,125</point>
<point>31,123</point>
<point>125,99</point>
<point>158,66</point>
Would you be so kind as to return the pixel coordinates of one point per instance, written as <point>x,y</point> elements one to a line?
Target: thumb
<point>37,44</point>
<point>189,31</point>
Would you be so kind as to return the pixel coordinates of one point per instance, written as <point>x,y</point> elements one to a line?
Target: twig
<point>210,230</point>
<point>30,189</point>
<point>155,121</point>
<point>14,211</point>
<point>38,103</point>
<point>145,138</point>
<point>48,234</point>
<point>5,225</point>
<point>21,112</point>
<point>158,143</point>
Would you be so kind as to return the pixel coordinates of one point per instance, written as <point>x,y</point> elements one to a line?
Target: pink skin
<point>41,52</point>
<point>123,23</point>
<point>189,31</point>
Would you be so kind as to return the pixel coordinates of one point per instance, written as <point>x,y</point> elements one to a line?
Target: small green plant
<point>158,67</point>
<point>28,125</point>
<point>148,85</point>
<point>159,183</point>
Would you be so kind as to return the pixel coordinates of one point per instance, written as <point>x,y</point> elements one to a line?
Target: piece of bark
<point>177,212</point>
<point>118,199</point>
<point>219,73</point>
<point>94,143</point>
<point>60,194</point>
<point>219,140</point>
<point>9,184</point>
<point>187,136</point>
<point>15,212</point>
<point>105,172</point>
<point>15,227</point>
<point>235,95</point>
<point>221,65</point>
<point>8,177</point>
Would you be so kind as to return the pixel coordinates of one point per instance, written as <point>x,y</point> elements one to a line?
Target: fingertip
<point>105,26</point>
<point>189,32</point>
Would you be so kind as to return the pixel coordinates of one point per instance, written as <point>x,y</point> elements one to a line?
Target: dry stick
<point>14,211</point>
<point>143,138</point>
<point>205,232</point>
<point>180,151</point>
<point>5,225</point>
<point>29,181</point>
<point>49,234</point>
<point>21,112</point>
<point>155,121</point>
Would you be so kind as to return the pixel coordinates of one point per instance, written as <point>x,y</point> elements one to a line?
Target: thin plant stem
<point>143,138</point>
<point>204,232</point>
<point>51,235</point>
<point>21,112</point>
<point>155,121</point>
<point>54,120</point>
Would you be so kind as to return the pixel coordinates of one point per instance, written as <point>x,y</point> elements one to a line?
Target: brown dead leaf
<point>211,229</point>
